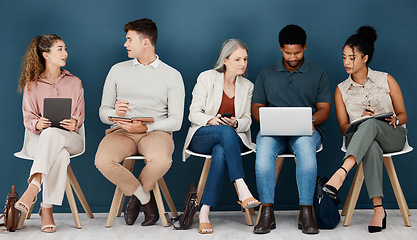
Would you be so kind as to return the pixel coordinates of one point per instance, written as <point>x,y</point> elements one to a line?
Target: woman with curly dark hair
<point>367,92</point>
<point>50,147</point>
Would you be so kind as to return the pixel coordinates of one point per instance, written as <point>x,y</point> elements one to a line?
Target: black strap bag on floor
<point>186,219</point>
<point>11,214</point>
<point>327,213</point>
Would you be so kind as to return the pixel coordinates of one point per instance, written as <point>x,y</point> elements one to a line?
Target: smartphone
<point>228,115</point>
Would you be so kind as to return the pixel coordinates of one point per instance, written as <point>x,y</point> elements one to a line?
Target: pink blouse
<point>66,86</point>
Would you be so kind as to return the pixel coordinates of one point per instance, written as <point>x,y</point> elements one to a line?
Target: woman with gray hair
<point>220,125</point>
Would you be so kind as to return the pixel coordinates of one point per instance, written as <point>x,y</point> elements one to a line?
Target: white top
<point>207,98</point>
<point>152,91</point>
<point>374,94</point>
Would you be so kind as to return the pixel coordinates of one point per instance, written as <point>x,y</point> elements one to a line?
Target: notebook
<point>286,121</point>
<point>56,110</point>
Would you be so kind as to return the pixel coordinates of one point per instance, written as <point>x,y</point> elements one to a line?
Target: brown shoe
<point>151,212</point>
<point>266,222</point>
<point>307,220</point>
<point>132,210</point>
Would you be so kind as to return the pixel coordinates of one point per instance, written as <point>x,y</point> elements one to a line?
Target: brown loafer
<point>307,220</point>
<point>151,212</point>
<point>132,210</point>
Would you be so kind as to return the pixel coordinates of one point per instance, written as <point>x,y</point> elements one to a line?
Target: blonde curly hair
<point>33,61</point>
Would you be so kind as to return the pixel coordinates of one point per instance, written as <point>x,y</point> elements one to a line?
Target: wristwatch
<point>397,121</point>
<point>313,119</point>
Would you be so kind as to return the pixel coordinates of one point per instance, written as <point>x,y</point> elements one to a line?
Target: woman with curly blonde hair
<point>50,147</point>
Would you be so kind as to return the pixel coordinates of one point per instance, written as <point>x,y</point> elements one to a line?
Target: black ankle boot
<point>151,212</point>
<point>374,229</point>
<point>266,221</point>
<point>307,220</point>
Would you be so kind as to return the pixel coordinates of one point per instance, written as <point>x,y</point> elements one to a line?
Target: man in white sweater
<point>141,87</point>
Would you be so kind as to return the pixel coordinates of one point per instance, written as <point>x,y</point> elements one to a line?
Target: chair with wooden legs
<point>356,186</point>
<point>278,165</point>
<point>72,184</point>
<point>203,179</point>
<point>119,198</point>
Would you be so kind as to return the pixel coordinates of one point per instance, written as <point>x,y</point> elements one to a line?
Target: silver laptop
<point>285,121</point>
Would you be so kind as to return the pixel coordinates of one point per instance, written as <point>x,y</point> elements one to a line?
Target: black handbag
<point>327,212</point>
<point>186,219</point>
<point>11,214</point>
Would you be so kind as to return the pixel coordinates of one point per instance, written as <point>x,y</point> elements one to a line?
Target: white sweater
<point>151,92</point>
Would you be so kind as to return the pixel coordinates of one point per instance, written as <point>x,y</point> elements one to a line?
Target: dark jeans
<point>224,146</point>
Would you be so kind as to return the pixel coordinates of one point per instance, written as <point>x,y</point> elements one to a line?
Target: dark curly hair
<point>292,34</point>
<point>363,41</point>
<point>33,61</point>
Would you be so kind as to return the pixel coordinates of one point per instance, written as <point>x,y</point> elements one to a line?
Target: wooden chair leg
<point>160,204</point>
<point>77,189</point>
<point>389,165</point>
<point>246,212</point>
<point>259,215</point>
<point>203,178</point>
<point>114,206</point>
<point>252,211</point>
<point>354,194</point>
<point>167,196</point>
<point>120,207</point>
<point>73,206</point>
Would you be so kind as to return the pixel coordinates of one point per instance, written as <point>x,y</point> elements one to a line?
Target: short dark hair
<point>363,41</point>
<point>145,27</point>
<point>292,34</point>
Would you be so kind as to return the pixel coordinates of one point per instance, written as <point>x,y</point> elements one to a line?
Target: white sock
<point>242,189</point>
<point>143,196</point>
<point>204,213</point>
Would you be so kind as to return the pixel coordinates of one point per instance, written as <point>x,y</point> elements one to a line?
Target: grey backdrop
<point>190,36</point>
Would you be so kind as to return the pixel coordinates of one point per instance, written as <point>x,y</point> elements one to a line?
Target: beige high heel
<point>23,207</point>
<point>43,228</point>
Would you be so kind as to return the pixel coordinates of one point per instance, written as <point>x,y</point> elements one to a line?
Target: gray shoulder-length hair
<point>227,49</point>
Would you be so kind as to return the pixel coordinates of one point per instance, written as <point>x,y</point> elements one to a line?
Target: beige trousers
<point>157,148</point>
<point>51,152</point>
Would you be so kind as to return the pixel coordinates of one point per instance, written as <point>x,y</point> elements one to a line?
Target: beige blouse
<point>374,94</point>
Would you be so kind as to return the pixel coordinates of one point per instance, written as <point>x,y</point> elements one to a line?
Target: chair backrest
<point>407,148</point>
<point>24,155</point>
<point>209,156</point>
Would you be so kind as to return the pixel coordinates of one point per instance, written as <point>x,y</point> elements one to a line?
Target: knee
<point>51,133</point>
<point>103,163</point>
<point>369,124</point>
<point>227,132</point>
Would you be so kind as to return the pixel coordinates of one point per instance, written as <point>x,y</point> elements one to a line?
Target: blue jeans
<point>224,146</point>
<point>303,147</point>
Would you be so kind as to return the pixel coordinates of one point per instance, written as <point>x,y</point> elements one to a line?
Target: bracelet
<point>237,123</point>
